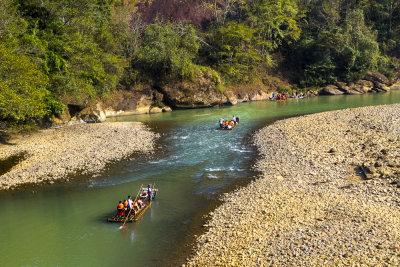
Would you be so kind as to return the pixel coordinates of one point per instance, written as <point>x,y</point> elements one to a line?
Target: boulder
<point>137,100</point>
<point>201,93</point>
<point>331,90</point>
<point>348,89</point>
<point>155,110</point>
<point>342,86</point>
<point>244,93</point>
<point>166,109</point>
<point>364,86</point>
<point>232,97</point>
<point>259,95</point>
<point>380,87</point>
<point>93,114</point>
<point>376,78</point>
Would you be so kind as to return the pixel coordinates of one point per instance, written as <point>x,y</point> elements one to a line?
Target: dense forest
<point>54,52</point>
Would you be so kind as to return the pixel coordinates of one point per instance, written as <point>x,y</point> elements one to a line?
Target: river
<point>65,224</point>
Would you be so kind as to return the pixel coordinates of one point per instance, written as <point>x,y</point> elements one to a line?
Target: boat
<point>135,215</point>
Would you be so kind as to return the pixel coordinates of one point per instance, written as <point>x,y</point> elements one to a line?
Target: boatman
<point>149,192</point>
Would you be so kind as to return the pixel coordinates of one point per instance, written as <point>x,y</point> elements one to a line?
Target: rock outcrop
<point>254,93</point>
<point>202,93</point>
<point>138,100</point>
<point>372,82</point>
<point>331,90</point>
<point>93,114</point>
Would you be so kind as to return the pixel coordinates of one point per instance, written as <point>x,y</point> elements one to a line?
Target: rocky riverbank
<point>56,153</point>
<point>329,194</point>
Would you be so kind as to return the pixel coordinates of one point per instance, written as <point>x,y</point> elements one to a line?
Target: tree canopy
<point>58,52</point>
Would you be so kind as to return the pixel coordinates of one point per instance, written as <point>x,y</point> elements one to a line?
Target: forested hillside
<point>59,52</point>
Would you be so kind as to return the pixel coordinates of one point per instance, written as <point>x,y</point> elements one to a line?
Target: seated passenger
<point>126,206</point>
<point>140,202</point>
<point>121,209</point>
<point>136,206</point>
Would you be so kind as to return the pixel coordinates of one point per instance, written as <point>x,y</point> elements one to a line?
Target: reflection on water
<point>65,224</point>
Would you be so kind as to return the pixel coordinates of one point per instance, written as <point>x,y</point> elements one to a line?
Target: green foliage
<point>167,52</point>
<point>275,21</point>
<point>69,51</point>
<point>22,88</point>
<point>237,55</point>
<point>344,52</point>
<point>216,78</point>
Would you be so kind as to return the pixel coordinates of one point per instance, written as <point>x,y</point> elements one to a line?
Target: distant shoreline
<point>311,206</point>
<point>54,154</point>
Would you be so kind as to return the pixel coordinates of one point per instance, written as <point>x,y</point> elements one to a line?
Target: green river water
<point>65,224</point>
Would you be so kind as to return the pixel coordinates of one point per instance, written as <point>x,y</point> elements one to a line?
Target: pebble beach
<point>328,195</point>
<point>85,148</point>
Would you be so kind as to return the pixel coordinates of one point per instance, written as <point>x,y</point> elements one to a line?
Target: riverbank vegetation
<point>59,52</point>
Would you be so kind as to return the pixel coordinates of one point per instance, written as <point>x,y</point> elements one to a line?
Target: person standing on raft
<point>221,122</point>
<point>149,192</point>
<point>130,203</point>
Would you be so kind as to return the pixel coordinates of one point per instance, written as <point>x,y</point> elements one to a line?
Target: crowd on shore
<point>313,205</point>
<point>86,148</point>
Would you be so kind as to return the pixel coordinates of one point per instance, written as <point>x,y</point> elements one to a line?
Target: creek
<point>64,224</point>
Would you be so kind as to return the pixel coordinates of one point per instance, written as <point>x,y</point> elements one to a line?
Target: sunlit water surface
<point>65,224</point>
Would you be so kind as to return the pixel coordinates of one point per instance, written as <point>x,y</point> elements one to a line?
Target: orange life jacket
<point>126,203</point>
<point>120,206</point>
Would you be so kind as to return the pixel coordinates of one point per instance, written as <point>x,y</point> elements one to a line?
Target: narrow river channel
<point>65,224</point>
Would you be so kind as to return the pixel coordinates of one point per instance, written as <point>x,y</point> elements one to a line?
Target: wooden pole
<point>127,216</point>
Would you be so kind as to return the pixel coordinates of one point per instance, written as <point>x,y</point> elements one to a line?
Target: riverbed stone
<point>318,213</point>
<point>56,153</point>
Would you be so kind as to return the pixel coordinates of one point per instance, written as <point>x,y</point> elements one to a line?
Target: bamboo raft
<point>133,217</point>
<point>227,129</point>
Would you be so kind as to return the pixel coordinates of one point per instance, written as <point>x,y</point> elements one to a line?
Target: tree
<point>22,88</point>
<point>167,52</point>
<point>275,21</point>
<point>237,52</point>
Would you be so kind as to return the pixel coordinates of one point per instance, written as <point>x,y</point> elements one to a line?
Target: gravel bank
<point>55,153</point>
<point>312,206</point>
